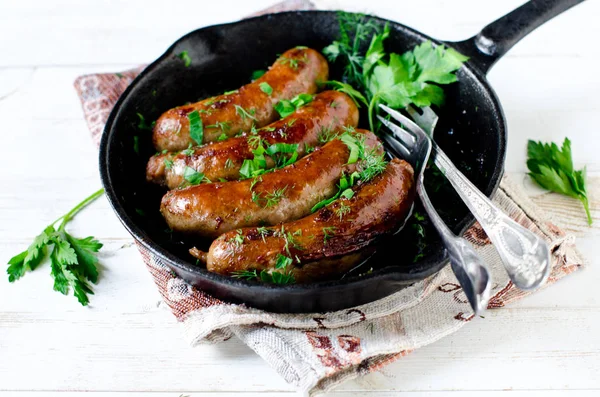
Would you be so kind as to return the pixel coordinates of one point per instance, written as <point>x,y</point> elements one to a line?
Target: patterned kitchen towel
<point>317,351</point>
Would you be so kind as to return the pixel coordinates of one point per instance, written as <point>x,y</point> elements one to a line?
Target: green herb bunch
<point>72,261</point>
<point>552,168</point>
<point>378,77</point>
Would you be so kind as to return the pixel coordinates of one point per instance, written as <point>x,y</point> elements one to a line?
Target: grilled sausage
<point>297,71</point>
<point>289,193</point>
<point>325,244</point>
<point>330,111</point>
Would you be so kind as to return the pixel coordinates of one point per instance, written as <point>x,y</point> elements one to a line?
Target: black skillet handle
<point>498,37</point>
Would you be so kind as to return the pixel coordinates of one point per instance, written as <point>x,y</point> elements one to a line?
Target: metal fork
<point>469,268</point>
<point>525,255</point>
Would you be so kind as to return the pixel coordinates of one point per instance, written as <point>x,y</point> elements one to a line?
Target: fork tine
<point>406,137</point>
<point>406,122</point>
<point>397,146</point>
<point>427,121</point>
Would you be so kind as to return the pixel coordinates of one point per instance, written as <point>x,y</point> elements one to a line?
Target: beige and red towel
<point>317,351</point>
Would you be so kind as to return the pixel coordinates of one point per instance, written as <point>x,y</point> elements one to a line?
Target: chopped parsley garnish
<point>136,144</point>
<point>142,124</point>
<point>192,176</point>
<point>371,164</point>
<point>187,61</point>
<point>258,74</point>
<point>168,163</point>
<point>276,149</point>
<point>352,144</point>
<point>230,92</point>
<point>283,262</point>
<point>189,151</point>
<point>277,277</point>
<point>228,163</point>
<point>285,107</point>
<point>552,168</point>
<point>222,137</point>
<point>72,261</point>
<point>196,128</point>
<point>258,164</point>
<point>266,88</point>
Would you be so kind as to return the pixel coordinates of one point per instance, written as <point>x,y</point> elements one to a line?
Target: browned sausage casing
<point>296,71</point>
<point>331,110</point>
<point>327,243</point>
<point>289,193</point>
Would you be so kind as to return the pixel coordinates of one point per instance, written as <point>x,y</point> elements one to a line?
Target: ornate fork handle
<point>468,267</point>
<point>524,254</point>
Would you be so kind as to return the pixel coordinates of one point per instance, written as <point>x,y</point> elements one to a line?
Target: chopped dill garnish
<point>244,114</point>
<point>342,210</point>
<point>328,232</point>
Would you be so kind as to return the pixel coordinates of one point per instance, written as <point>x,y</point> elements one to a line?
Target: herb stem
<point>586,206</point>
<point>372,110</point>
<point>69,215</point>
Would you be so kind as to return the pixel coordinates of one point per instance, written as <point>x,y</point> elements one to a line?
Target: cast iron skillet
<point>472,132</point>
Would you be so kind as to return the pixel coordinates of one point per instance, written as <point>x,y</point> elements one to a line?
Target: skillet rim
<point>387,273</point>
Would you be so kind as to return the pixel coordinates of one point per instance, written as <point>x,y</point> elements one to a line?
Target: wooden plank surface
<point>127,342</point>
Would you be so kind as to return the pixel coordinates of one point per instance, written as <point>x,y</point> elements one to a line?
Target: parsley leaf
<point>192,176</point>
<point>347,89</point>
<point>266,88</point>
<point>258,164</point>
<point>552,168</point>
<point>72,261</point>
<point>283,262</point>
<point>285,107</point>
<point>142,124</point>
<point>196,128</point>
<point>258,74</point>
<point>185,58</point>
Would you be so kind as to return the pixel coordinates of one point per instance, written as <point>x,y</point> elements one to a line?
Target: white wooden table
<point>127,342</point>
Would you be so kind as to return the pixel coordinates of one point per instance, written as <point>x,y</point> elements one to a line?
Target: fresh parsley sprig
<point>72,261</point>
<point>410,78</point>
<point>552,168</point>
<point>196,127</point>
<point>395,80</point>
<point>285,107</point>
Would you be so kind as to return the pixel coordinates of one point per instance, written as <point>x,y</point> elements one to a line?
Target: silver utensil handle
<point>468,267</point>
<point>524,254</point>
